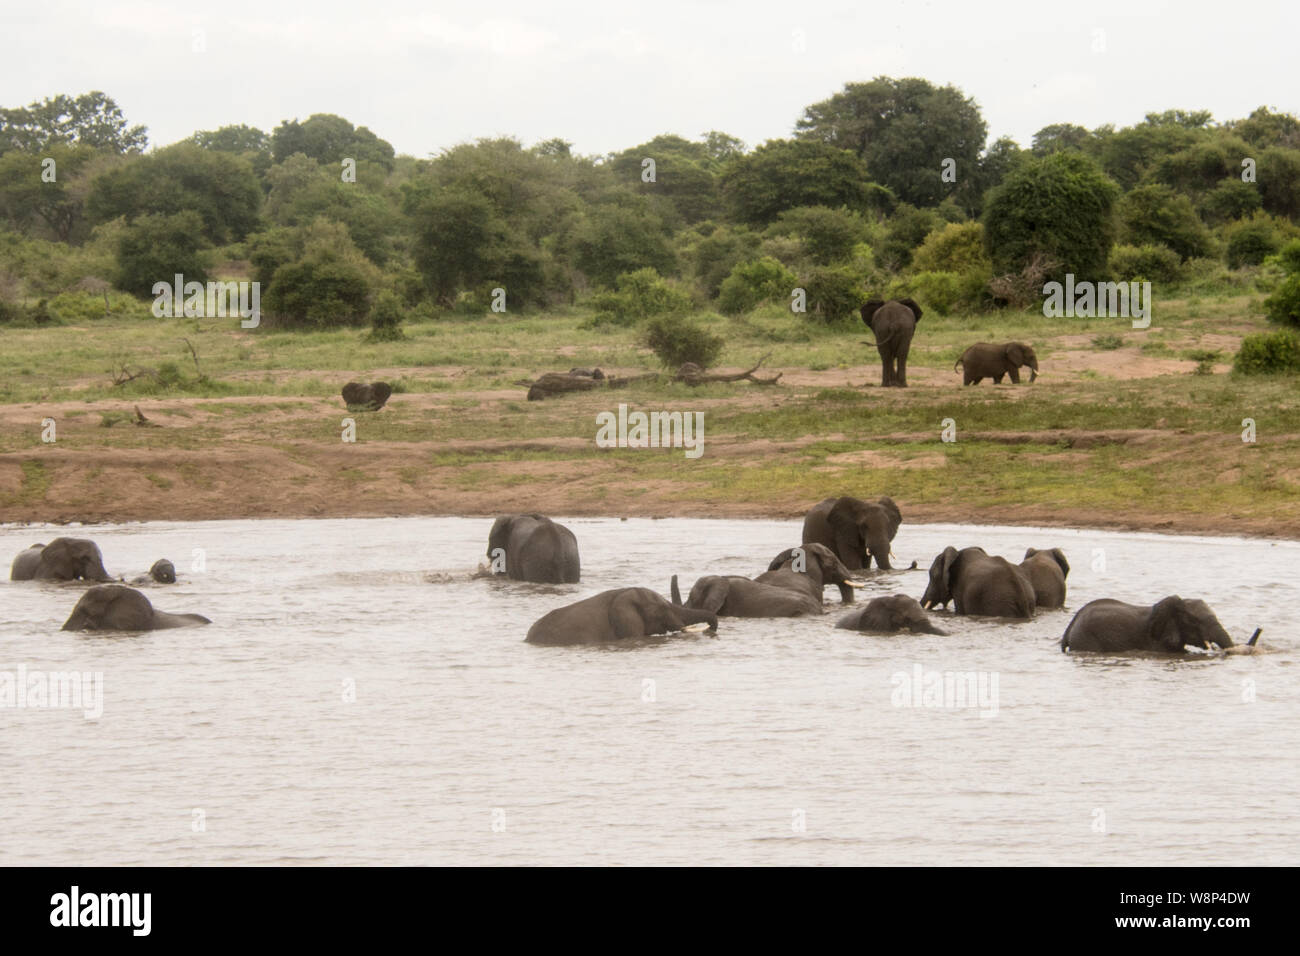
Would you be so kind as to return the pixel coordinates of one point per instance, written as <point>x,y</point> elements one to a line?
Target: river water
<point>361,699</point>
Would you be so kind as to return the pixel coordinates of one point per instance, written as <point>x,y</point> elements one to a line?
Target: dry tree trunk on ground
<point>692,374</point>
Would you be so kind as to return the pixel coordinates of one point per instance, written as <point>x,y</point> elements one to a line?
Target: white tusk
<point>701,626</point>
<point>855,584</point>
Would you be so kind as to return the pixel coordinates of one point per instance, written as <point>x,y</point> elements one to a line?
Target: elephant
<point>366,398</point>
<point>617,615</point>
<point>162,572</point>
<point>1046,571</point>
<point>780,591</point>
<point>1168,625</point>
<point>807,570</point>
<point>985,360</point>
<point>893,323</point>
<point>535,549</point>
<point>978,583</point>
<point>890,614</point>
<point>115,607</point>
<point>63,559</point>
<point>855,530</point>
<point>593,373</point>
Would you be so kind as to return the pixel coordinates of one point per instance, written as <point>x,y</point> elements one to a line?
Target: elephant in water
<point>985,360</point>
<point>63,559</point>
<point>855,530</point>
<point>115,607</point>
<point>978,583</point>
<point>1168,625</point>
<point>888,615</point>
<point>784,590</point>
<point>162,572</point>
<point>617,615</point>
<point>1046,571</point>
<point>534,548</point>
<point>893,323</point>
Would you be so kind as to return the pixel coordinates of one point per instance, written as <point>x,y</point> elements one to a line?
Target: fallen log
<point>692,374</point>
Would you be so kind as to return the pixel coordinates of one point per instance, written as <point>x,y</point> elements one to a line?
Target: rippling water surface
<point>780,741</point>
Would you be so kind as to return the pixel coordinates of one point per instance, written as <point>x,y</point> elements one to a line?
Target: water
<point>778,742</point>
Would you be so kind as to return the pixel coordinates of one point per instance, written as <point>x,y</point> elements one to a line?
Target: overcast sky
<point>607,76</point>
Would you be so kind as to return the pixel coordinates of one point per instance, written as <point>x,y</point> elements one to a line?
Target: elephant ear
<point>713,596</point>
<point>951,561</point>
<point>869,309</point>
<point>1167,623</point>
<point>939,593</point>
<point>499,536</point>
<point>844,525</point>
<point>895,516</point>
<point>781,559</point>
<point>911,304</point>
<point>1059,555</point>
<point>1015,353</point>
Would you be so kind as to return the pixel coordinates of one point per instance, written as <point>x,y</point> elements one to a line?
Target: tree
<point>1058,136</point>
<point>247,141</point>
<point>684,187</point>
<point>1279,181</point>
<point>27,198</point>
<point>1264,128</point>
<point>459,240</point>
<point>1061,206</point>
<point>1156,215</point>
<point>328,283</point>
<point>619,237</point>
<point>301,190</point>
<point>220,187</point>
<point>329,139</point>
<point>92,119</point>
<point>827,235</point>
<point>154,248</point>
<point>904,130</point>
<point>784,174</point>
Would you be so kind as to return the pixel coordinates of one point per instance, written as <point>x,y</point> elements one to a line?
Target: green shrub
<point>1204,359</point>
<point>834,293</point>
<point>826,235</point>
<point>1288,257</point>
<point>752,283</point>
<point>944,292</point>
<point>1107,343</point>
<point>675,339</point>
<point>1267,352</point>
<point>1230,199</point>
<point>1251,240</point>
<point>386,319</point>
<point>957,247</point>
<point>327,285</point>
<point>905,232</point>
<point>155,248</point>
<point>638,295</point>
<point>1156,215</point>
<point>1153,262</point>
<point>1284,304</point>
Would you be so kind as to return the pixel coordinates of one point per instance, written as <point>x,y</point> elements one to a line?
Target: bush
<point>1153,262</point>
<point>327,285</point>
<point>638,295</point>
<point>907,229</point>
<point>1156,215</point>
<point>826,235</point>
<point>834,293</point>
<point>1288,257</point>
<point>944,292</point>
<point>957,247</point>
<point>1267,352</point>
<point>1284,304</point>
<point>752,283</point>
<point>676,340</point>
<point>386,319</point>
<point>1251,240</point>
<point>155,248</point>
<point>1231,199</point>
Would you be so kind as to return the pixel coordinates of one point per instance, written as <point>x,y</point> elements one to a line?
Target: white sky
<point>608,75</point>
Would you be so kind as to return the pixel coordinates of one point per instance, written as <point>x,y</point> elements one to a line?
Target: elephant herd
<point>841,537</point>
<point>894,323</point>
<point>105,606</point>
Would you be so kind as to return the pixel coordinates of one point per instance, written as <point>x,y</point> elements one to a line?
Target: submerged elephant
<point>1168,625</point>
<point>978,583</point>
<point>115,607</point>
<point>855,530</point>
<point>366,398</point>
<point>893,323</point>
<point>807,569</point>
<point>1046,571</point>
<point>162,572</point>
<point>985,360</point>
<point>534,548</point>
<point>888,615</point>
<point>63,559</point>
<point>791,586</point>
<point>617,615</point>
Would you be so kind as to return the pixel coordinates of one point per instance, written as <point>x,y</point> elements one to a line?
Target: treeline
<point>888,185</point>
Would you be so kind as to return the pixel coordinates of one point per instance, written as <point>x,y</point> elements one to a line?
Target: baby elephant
<point>366,398</point>
<point>115,607</point>
<point>162,572</point>
<point>1046,571</point>
<point>617,615</point>
<point>984,360</point>
<point>888,615</point>
<point>1169,625</point>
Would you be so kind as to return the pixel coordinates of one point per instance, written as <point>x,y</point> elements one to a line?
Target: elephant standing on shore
<point>616,615</point>
<point>1046,571</point>
<point>978,583</point>
<point>1168,625</point>
<point>534,548</point>
<point>893,323</point>
<point>985,360</point>
<point>791,586</point>
<point>115,607</point>
<point>888,615</point>
<point>855,530</point>
<point>63,559</point>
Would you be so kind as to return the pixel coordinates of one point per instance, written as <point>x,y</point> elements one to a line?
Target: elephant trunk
<point>1033,371</point>
<point>677,594</point>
